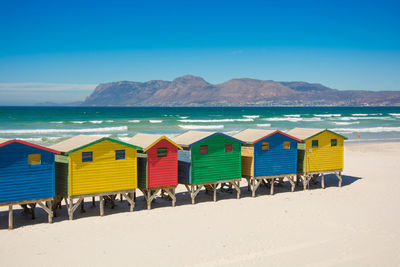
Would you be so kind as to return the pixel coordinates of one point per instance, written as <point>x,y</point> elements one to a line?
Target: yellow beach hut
<point>320,152</point>
<point>91,166</point>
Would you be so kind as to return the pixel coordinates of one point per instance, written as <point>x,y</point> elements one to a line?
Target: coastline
<point>354,225</point>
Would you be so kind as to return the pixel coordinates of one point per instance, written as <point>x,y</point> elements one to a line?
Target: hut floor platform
<point>307,177</point>
<point>44,203</point>
<point>255,182</point>
<point>129,195</point>
<point>194,189</point>
<point>151,193</point>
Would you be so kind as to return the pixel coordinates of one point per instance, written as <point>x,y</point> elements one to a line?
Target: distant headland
<point>191,90</point>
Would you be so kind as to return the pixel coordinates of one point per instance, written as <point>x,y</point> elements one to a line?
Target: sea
<point>49,125</point>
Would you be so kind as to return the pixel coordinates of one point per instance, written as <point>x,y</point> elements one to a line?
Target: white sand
<point>356,225</point>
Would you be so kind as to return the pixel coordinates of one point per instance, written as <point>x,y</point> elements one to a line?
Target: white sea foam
<point>283,119</point>
<point>367,130</point>
<point>58,122</point>
<point>359,114</point>
<point>124,139</point>
<point>135,121</point>
<point>217,120</point>
<point>327,115</point>
<point>96,122</point>
<point>395,114</point>
<point>46,131</point>
<point>198,127</point>
<point>251,116</point>
<point>155,121</point>
<point>78,122</point>
<point>363,118</point>
<point>183,117</point>
<point>312,119</point>
<point>293,116</point>
<point>345,123</point>
<point>109,121</point>
<point>264,125</point>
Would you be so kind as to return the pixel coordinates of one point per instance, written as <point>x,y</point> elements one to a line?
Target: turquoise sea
<point>48,125</point>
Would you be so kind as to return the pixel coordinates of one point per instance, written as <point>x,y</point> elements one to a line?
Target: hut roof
<point>146,141</point>
<point>191,137</point>
<point>252,136</point>
<point>4,142</point>
<point>307,133</point>
<point>81,141</point>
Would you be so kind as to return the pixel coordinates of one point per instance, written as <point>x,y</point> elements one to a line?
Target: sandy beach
<point>356,225</point>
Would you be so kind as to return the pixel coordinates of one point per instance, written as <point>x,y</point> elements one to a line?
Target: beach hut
<point>26,176</point>
<point>93,166</point>
<point>268,155</point>
<point>157,165</point>
<point>207,160</point>
<point>319,153</point>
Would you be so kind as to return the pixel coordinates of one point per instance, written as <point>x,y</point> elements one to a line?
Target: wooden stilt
<point>101,205</point>
<point>93,202</point>
<point>129,198</point>
<point>237,187</point>
<point>48,210</point>
<point>272,186</point>
<point>171,193</point>
<point>120,195</point>
<point>214,187</point>
<point>10,217</point>
<point>248,184</point>
<point>256,184</point>
<point>339,176</point>
<point>323,181</point>
<point>291,181</point>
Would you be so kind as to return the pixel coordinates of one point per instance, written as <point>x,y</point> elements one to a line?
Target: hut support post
<point>93,202</point>
<point>193,190</point>
<point>150,196</point>
<point>339,176</point>
<point>291,181</point>
<point>248,184</point>
<point>47,208</point>
<point>272,181</point>
<point>101,205</point>
<point>322,181</point>
<point>236,185</point>
<point>171,193</point>
<point>10,217</point>
<point>72,207</point>
<point>129,198</point>
<point>255,184</point>
<point>306,181</point>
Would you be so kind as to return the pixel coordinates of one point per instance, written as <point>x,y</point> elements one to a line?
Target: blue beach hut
<point>26,176</point>
<point>268,155</point>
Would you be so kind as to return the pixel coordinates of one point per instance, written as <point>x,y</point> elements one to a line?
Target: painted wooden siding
<point>104,173</point>
<point>276,160</point>
<point>248,160</point>
<point>184,166</point>
<point>162,171</point>
<point>325,157</point>
<point>217,164</point>
<point>20,181</point>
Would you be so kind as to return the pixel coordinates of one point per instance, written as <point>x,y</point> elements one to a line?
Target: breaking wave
<point>46,131</point>
<point>218,120</point>
<point>155,121</point>
<point>367,130</point>
<point>199,127</point>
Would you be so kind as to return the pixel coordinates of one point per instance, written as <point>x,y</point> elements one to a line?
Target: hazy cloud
<point>33,93</point>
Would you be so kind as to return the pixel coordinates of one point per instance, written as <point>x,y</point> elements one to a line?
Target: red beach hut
<point>157,165</point>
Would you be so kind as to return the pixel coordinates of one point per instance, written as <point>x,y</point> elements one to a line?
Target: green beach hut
<point>207,160</point>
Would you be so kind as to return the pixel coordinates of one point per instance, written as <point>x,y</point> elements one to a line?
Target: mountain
<point>191,90</point>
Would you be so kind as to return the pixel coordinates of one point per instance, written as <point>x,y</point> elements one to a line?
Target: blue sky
<point>52,50</point>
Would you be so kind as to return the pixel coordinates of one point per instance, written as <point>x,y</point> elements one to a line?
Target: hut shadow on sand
<point>183,198</point>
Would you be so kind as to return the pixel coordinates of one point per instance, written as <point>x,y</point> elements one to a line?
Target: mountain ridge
<point>189,90</point>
